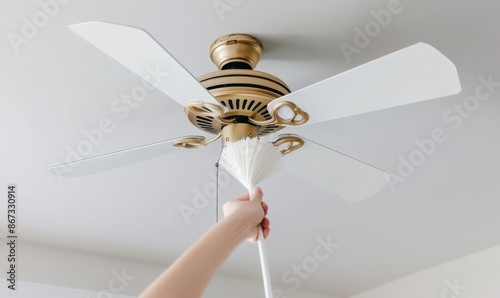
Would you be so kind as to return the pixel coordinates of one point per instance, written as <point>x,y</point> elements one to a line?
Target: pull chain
<point>217,189</point>
<point>217,193</point>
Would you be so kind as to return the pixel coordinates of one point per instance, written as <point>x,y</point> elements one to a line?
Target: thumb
<point>256,194</point>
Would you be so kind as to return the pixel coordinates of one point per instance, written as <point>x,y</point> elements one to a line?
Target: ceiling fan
<point>237,101</point>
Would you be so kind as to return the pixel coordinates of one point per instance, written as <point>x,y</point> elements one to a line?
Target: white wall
<point>477,275</point>
<point>52,272</point>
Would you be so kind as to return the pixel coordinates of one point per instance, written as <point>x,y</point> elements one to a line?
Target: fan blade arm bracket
<point>194,142</point>
<point>290,143</point>
<point>285,113</point>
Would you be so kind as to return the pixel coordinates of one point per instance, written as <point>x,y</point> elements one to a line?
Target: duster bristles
<point>250,160</point>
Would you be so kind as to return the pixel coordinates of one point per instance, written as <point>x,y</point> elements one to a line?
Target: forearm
<point>181,279</point>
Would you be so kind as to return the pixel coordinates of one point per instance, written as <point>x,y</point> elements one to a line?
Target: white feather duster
<point>250,160</point>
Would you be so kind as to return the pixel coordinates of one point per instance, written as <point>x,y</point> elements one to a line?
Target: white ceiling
<point>58,85</point>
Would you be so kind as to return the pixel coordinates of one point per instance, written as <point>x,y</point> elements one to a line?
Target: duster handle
<point>264,265</point>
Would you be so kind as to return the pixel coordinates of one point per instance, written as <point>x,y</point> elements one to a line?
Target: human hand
<point>250,211</point>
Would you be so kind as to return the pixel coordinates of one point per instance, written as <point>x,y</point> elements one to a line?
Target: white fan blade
<point>100,163</point>
<point>140,53</point>
<point>413,74</point>
<point>336,172</point>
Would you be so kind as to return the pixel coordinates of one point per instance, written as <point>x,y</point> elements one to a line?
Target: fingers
<point>266,232</point>
<point>256,194</point>
<point>255,197</point>
<point>265,227</point>
<point>243,197</point>
<point>265,222</point>
<point>265,207</point>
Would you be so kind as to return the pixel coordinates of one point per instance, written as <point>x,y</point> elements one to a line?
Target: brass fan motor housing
<point>242,92</point>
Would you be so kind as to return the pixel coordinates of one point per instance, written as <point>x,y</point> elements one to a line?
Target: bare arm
<point>190,274</point>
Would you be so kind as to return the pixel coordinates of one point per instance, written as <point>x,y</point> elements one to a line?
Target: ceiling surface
<point>56,88</point>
